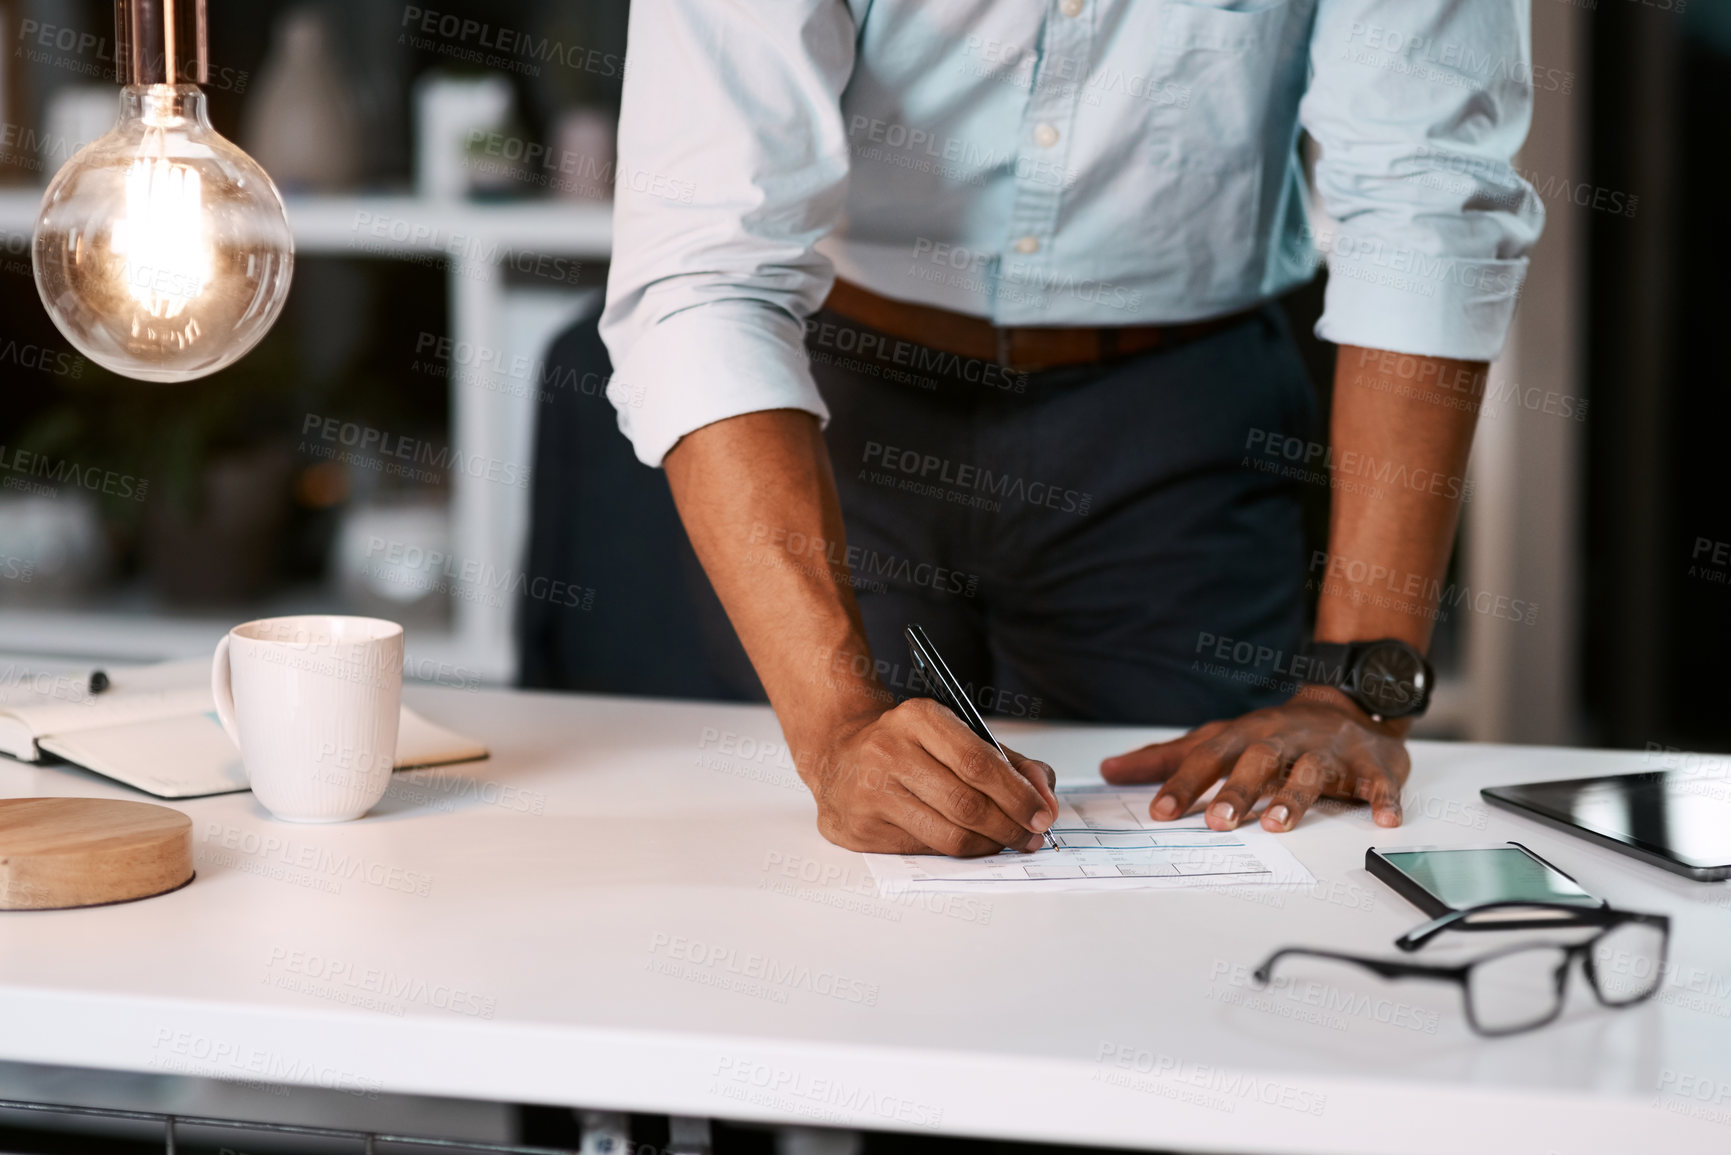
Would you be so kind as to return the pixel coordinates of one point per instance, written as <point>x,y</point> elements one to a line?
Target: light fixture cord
<point>168,41</point>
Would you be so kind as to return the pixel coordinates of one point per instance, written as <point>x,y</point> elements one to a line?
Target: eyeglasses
<point>1521,987</point>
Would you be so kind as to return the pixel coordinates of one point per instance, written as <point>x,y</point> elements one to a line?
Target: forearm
<point>1400,436</point>
<point>758,499</point>
<point>757,496</point>
<point>1401,432</point>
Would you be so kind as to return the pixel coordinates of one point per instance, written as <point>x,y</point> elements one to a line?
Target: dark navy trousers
<point>1090,543</point>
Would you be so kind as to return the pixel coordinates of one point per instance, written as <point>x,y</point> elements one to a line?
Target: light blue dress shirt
<point>1054,162</point>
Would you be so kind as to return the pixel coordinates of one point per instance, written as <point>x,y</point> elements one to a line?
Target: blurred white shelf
<point>115,635</point>
<point>478,244</point>
<point>403,225</point>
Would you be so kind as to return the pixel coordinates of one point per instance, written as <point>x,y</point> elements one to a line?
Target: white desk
<point>552,926</point>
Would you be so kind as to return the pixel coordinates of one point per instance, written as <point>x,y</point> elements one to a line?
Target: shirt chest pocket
<point>1230,69</point>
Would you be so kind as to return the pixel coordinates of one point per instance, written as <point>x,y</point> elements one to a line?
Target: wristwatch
<point>1386,678</point>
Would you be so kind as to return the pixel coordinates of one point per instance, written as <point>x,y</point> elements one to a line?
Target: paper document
<point>1106,841</point>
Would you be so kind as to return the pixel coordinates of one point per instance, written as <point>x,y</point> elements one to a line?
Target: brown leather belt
<point>1019,348</point>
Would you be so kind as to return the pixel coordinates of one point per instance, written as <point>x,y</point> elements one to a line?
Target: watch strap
<point>1327,663</point>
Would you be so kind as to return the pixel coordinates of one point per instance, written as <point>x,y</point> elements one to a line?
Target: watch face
<point>1391,680</point>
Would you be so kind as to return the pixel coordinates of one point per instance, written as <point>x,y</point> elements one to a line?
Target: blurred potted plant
<point>576,93</point>
<point>193,477</point>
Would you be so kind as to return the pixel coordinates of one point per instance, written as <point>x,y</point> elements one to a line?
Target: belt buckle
<point>1042,357</point>
<point>1008,356</point>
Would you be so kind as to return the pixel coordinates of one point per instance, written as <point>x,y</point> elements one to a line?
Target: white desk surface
<point>599,916</point>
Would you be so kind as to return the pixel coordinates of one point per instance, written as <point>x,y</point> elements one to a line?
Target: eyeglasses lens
<point>1517,990</point>
<point>1627,961</point>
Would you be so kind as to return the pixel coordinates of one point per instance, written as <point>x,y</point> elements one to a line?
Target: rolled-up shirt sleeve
<point>733,163</point>
<point>1418,107</point>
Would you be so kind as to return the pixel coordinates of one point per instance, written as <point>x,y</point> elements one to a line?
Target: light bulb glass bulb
<point>162,250</point>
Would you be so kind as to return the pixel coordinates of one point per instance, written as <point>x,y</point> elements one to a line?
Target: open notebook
<point>155,729</point>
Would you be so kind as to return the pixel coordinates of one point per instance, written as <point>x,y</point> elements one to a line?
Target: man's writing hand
<point>1316,744</point>
<point>915,780</point>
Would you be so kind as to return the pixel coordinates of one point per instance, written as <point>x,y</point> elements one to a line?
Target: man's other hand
<point>1317,744</point>
<point>915,780</point>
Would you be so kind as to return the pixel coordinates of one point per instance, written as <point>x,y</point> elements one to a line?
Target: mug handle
<point>222,689</point>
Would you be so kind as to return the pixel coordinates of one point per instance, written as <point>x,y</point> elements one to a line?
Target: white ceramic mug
<point>312,703</point>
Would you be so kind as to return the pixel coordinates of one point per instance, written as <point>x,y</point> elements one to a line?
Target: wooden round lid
<point>59,852</point>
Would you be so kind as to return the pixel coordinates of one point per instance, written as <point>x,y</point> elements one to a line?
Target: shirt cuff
<point>1426,306</point>
<point>706,364</point>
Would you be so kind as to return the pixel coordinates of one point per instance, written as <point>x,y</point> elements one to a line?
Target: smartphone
<point>1438,879</point>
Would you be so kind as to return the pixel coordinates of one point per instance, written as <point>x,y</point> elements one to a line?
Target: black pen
<point>949,691</point>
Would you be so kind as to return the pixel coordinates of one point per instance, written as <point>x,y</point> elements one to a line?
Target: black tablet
<point>1674,819</point>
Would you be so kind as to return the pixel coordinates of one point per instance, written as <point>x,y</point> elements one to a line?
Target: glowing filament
<point>168,261</point>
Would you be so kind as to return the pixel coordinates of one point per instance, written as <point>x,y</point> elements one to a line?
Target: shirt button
<point>1045,135</point>
<point>1028,245</point>
<point>1071,8</point>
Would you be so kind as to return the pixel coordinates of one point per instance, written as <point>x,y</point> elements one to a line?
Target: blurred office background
<point>447,167</point>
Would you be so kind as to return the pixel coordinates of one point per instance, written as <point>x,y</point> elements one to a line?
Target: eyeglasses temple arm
<point>1419,935</point>
<point>1583,916</point>
<point>1387,968</point>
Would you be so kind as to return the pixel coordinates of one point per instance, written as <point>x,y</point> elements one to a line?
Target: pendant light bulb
<point>162,251</point>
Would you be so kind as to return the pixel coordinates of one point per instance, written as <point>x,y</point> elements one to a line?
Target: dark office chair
<point>602,520</point>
